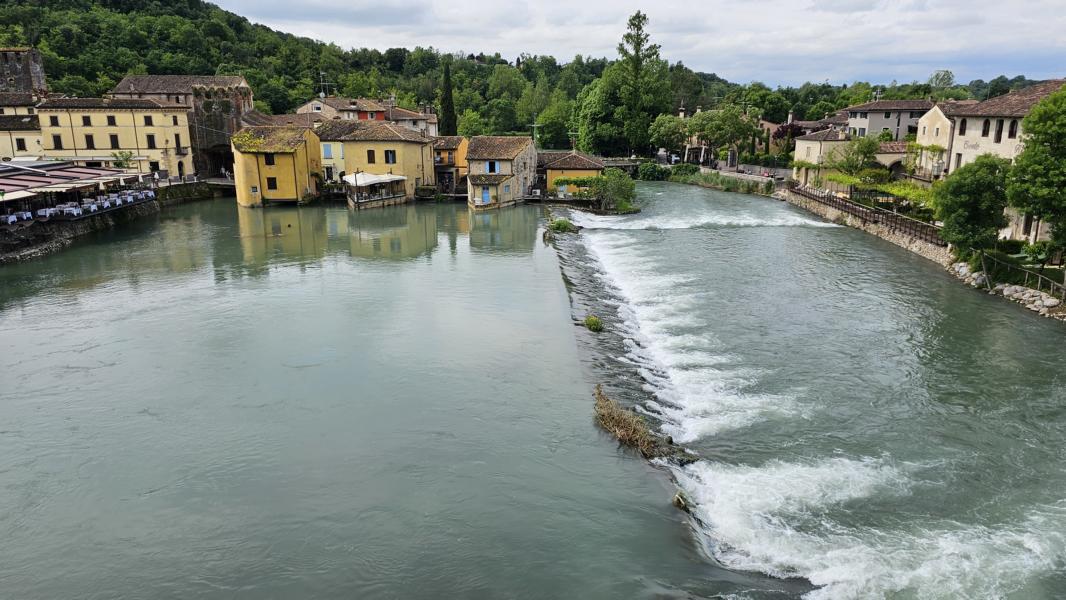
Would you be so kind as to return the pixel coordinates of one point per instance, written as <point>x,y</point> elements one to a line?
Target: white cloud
<point>775,41</point>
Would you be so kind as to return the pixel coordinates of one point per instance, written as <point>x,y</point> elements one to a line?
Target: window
<point>958,160</point>
<point>174,120</point>
<point>507,189</point>
<point>936,132</point>
<point>53,121</point>
<point>916,115</point>
<point>1027,226</point>
<point>151,141</point>
<point>86,121</point>
<point>327,151</point>
<point>986,127</point>
<point>864,115</point>
<point>20,144</point>
<point>317,108</point>
<point>1,110</point>
<point>255,189</point>
<point>114,141</point>
<point>153,166</point>
<point>272,183</point>
<point>57,142</point>
<point>862,132</point>
<point>923,129</point>
<point>29,110</point>
<point>888,115</point>
<point>268,159</point>
<point>90,143</point>
<point>491,166</point>
<point>148,120</point>
<point>177,143</point>
<point>999,131</point>
<point>370,157</point>
<point>1013,131</point>
<point>962,128</point>
<point>111,120</point>
<point>390,157</point>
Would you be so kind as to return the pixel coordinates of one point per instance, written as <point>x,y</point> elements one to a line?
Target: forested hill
<point>89,45</point>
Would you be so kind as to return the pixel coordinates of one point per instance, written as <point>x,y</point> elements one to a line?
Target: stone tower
<point>22,70</point>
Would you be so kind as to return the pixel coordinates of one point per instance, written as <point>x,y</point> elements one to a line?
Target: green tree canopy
<point>644,81</point>
<point>1037,184</point>
<point>970,203</point>
<point>668,131</point>
<point>858,154</point>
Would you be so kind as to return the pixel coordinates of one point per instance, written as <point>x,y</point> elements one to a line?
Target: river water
<point>315,403</point>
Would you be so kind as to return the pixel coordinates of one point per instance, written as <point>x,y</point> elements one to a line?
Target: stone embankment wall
<point>44,238</point>
<point>938,254</point>
<point>180,193</point>
<point>1035,300</point>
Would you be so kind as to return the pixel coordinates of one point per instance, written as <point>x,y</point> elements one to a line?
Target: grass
<point>562,226</point>
<point>626,425</point>
<point>593,324</point>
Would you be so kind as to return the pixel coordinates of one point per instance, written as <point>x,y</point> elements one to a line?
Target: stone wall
<point>40,239</point>
<point>1037,301</point>
<point>938,254</point>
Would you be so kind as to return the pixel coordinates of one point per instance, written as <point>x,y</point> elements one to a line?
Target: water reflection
<point>394,232</point>
<point>508,229</point>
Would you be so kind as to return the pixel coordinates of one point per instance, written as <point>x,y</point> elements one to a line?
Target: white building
<point>898,117</point>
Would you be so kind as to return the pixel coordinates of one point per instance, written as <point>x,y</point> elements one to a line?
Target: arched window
<point>986,127</point>
<point>962,127</point>
<point>1012,132</point>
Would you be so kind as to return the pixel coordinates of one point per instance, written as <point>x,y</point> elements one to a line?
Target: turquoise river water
<point>316,403</point>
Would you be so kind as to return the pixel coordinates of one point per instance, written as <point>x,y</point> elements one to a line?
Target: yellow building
<point>449,162</point>
<point>571,165</point>
<point>20,135</point>
<point>17,103</point>
<point>276,164</point>
<point>96,132</point>
<point>379,149</point>
<point>502,170</point>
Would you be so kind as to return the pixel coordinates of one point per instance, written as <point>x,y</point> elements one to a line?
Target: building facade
<point>378,148</point>
<point>572,165</point>
<point>423,121</point>
<point>276,164</point>
<point>898,117</point>
<point>22,70</point>
<point>502,170</point>
<point>449,162</point>
<point>18,103</point>
<point>215,105</point>
<point>20,136</point>
<point>143,135</point>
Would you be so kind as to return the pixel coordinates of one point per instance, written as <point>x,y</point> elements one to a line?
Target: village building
<point>817,151</point>
<point>936,131</point>
<point>215,105</point>
<point>20,136</point>
<point>502,170</point>
<point>276,164</point>
<point>423,121</point>
<point>377,148</point>
<point>898,117</point>
<point>449,162</point>
<point>18,103</point>
<point>99,132</point>
<point>570,165</point>
<point>22,70</point>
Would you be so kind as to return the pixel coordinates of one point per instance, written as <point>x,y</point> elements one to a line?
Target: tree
<point>885,136</point>
<point>1037,185</point>
<point>644,79</point>
<point>856,155</point>
<point>820,110</point>
<point>668,131</point>
<point>942,79</point>
<point>615,190</point>
<point>971,201</point>
<point>448,124</point>
<point>728,126</point>
<point>470,124</point>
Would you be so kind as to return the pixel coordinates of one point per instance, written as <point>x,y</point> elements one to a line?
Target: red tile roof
<point>1016,103</point>
<point>497,146</point>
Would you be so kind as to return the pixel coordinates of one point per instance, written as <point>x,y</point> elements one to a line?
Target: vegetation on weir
<point>593,324</point>
<point>629,427</point>
<point>562,225</point>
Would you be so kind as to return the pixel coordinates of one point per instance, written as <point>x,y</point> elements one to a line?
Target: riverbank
<point>728,182</point>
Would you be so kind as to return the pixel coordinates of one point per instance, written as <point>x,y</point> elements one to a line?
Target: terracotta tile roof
<point>825,135</point>
<point>16,99</point>
<point>174,84</point>
<point>497,146</point>
<point>575,161</point>
<point>893,148</point>
<point>447,142</point>
<point>877,105</point>
<point>488,179</point>
<point>297,120</point>
<point>1017,103</point>
<point>397,113</point>
<point>363,104</point>
<point>280,140</point>
<point>840,117</point>
<point>953,107</point>
<point>345,130</point>
<point>106,103</point>
<point>19,123</point>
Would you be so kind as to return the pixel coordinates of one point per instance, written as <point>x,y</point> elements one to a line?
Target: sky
<point>778,42</point>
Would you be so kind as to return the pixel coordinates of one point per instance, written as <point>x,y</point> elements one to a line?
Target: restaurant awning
<point>368,179</point>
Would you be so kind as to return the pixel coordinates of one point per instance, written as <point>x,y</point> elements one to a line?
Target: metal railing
<point>1027,278</point>
<point>918,229</point>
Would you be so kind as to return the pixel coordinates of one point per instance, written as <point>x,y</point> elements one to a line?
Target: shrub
<point>874,175</point>
<point>562,226</point>
<point>593,324</point>
<point>649,171</point>
<point>626,425</point>
<point>684,170</point>
<point>1010,246</point>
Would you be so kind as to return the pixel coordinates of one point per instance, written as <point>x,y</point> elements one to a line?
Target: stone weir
<point>45,237</point>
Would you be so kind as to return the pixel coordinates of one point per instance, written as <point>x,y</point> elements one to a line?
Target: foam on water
<point>691,221</point>
<point>772,519</point>
<point>789,518</point>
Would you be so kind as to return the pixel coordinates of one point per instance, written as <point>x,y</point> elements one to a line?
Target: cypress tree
<point>448,121</point>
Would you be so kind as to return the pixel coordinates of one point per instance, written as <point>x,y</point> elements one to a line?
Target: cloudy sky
<point>774,41</point>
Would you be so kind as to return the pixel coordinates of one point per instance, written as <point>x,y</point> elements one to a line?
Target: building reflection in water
<point>511,229</point>
<point>393,232</point>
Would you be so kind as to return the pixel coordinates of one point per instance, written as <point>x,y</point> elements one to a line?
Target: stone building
<point>215,104</point>
<point>22,70</point>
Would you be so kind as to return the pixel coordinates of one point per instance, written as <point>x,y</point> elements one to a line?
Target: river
<point>316,403</point>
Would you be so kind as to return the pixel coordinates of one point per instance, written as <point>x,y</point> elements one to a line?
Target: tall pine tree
<point>448,120</point>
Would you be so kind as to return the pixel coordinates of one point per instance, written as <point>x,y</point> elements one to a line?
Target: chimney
<point>791,115</point>
<point>699,108</point>
<point>681,113</point>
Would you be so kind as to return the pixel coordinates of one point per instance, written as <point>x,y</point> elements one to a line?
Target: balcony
<point>181,150</point>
